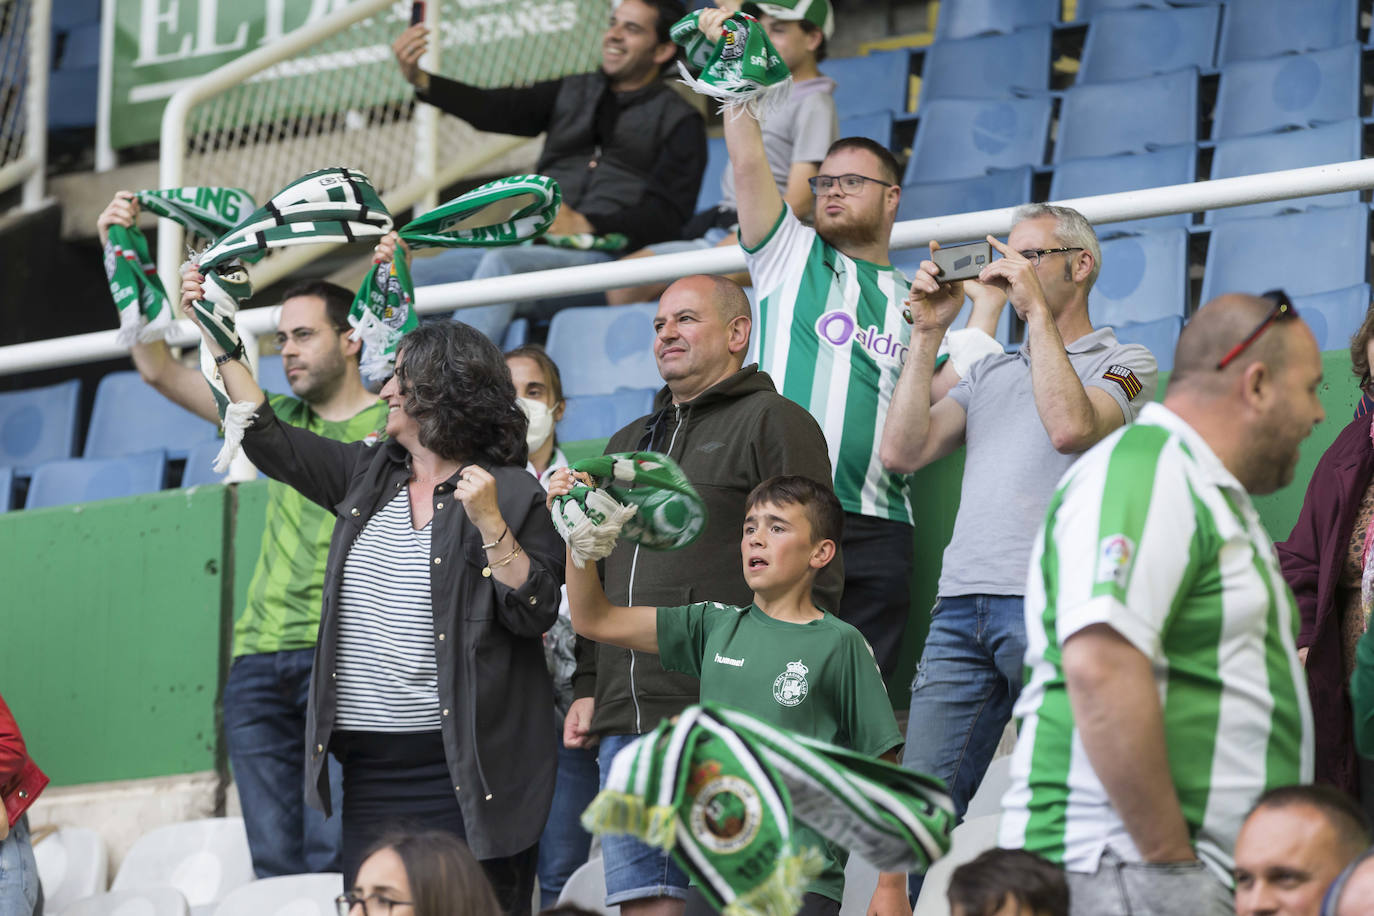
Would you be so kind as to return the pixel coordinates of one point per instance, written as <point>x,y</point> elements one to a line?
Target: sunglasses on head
<point>1283,310</point>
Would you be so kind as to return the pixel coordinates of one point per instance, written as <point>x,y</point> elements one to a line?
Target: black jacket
<point>729,439</point>
<point>497,740</point>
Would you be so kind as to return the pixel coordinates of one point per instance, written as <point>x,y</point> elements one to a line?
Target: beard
<point>1272,465</point>
<point>319,381</point>
<point>849,230</point>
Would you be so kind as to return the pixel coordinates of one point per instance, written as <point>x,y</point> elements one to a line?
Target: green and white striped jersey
<point>1151,535</point>
<point>832,336</point>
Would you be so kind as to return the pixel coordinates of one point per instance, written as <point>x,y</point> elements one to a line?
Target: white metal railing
<point>1183,198</point>
<point>25,50</point>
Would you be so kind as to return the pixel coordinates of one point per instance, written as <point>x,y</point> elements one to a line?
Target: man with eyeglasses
<point>1164,692</point>
<point>274,637</point>
<point>1023,418</point>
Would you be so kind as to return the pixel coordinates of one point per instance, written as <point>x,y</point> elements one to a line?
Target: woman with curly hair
<point>429,682</point>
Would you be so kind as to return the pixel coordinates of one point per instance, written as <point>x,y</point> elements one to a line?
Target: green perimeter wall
<point>117,614</point>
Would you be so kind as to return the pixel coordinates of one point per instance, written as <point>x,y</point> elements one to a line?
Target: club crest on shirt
<point>790,687</point>
<point>1114,555</point>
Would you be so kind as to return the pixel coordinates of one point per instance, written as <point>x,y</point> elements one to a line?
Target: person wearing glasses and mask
<point>431,873</point>
<point>1024,418</point>
<point>1164,693</point>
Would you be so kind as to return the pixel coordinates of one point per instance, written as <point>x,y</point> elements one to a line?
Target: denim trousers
<point>634,870</point>
<point>1120,888</point>
<point>564,843</point>
<point>264,723</point>
<point>962,695</point>
<point>20,893</point>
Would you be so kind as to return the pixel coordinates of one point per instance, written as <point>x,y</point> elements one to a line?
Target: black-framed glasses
<point>1035,254</point>
<point>849,184</point>
<point>373,904</point>
<point>1283,309</point>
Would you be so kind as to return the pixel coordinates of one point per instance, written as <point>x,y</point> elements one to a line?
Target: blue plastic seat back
<point>1160,337</point>
<point>993,191</point>
<point>1295,90</point>
<point>967,18</point>
<point>1294,149</point>
<point>876,126</point>
<point>1143,277</point>
<point>1334,316</point>
<point>129,416</point>
<point>600,349</point>
<point>79,480</point>
<point>200,464</point>
<point>987,67</point>
<point>1129,44</point>
<point>72,97</point>
<point>880,81</point>
<point>964,138</point>
<point>38,425</point>
<point>1113,174</point>
<point>272,374</point>
<point>517,334</point>
<point>717,161</point>
<point>1253,255</point>
<point>68,14</point>
<point>80,47</point>
<point>596,416</point>
<point>6,489</point>
<point>1256,29</point>
<point>1135,116</point>
<point>1088,9</point>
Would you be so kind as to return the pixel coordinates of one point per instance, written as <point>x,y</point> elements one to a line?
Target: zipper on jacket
<point>630,592</point>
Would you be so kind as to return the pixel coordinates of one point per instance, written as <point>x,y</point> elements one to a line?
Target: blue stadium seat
<point>1088,9</point>
<point>200,464</point>
<point>876,126</point>
<point>966,18</point>
<point>1252,255</point>
<point>966,137</point>
<point>129,416</point>
<point>596,416</point>
<point>68,14</point>
<point>79,480</point>
<point>1132,116</point>
<point>1334,316</point>
<point>717,161</point>
<point>1255,29</point>
<point>1160,337</point>
<point>874,82</point>
<point>80,47</point>
<point>1129,44</point>
<point>6,489</point>
<point>600,349</point>
<point>1144,277</point>
<point>272,374</point>
<point>38,425</point>
<point>989,67</point>
<point>1340,142</point>
<point>517,334</point>
<point>1296,90</point>
<point>72,97</point>
<point>1007,188</point>
<point>1112,174</point>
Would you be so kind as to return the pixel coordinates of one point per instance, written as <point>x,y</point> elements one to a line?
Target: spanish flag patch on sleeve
<point>1125,378</point>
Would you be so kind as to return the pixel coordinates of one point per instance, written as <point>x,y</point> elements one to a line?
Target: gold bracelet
<point>486,570</point>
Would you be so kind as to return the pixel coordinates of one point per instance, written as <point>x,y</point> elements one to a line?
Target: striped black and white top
<point>386,673</point>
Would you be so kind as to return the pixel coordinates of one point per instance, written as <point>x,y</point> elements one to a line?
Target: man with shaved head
<point>730,430</point>
<point>1352,893</point>
<point>1163,692</point>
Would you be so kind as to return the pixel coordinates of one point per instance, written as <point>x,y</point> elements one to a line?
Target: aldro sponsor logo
<point>839,329</point>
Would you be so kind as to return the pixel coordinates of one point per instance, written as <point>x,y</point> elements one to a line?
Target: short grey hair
<point>1071,230</point>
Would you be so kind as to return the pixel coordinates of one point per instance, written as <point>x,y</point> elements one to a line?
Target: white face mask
<point>541,422</point>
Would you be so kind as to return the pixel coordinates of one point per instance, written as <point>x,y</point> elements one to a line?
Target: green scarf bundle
<point>742,70</point>
<point>329,205</point>
<point>721,790</point>
<point>502,212</point>
<point>144,311</point>
<point>640,496</point>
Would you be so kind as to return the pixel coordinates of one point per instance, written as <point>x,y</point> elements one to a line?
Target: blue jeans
<point>962,696</point>
<point>634,871</point>
<point>20,892</point>
<point>456,264</point>
<point>564,844</point>
<point>264,723</point>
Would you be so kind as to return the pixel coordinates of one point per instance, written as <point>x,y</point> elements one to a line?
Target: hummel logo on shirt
<point>732,662</point>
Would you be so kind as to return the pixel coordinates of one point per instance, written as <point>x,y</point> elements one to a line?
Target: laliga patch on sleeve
<point>1114,555</point>
<point>1124,377</point>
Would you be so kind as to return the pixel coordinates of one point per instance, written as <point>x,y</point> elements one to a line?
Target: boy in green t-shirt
<point>782,658</point>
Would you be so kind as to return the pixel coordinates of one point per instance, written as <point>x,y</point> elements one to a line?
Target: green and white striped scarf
<point>144,310</point>
<point>640,496</point>
<point>503,212</point>
<point>329,205</point>
<point>721,790</point>
<point>742,70</point>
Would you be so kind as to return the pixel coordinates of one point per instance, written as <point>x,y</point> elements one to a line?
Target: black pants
<point>877,583</point>
<point>398,782</point>
<point>812,905</point>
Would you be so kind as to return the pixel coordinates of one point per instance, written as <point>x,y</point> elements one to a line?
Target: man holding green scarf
<point>274,637</point>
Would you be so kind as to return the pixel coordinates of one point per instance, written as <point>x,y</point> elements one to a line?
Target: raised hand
<point>409,47</point>
<point>933,304</point>
<point>1015,276</point>
<point>122,211</point>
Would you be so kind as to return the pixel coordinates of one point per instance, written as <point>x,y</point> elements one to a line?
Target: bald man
<point>1352,894</point>
<point>730,430</point>
<point>1164,693</point>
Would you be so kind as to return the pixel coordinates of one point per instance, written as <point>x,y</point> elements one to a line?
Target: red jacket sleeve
<point>13,754</point>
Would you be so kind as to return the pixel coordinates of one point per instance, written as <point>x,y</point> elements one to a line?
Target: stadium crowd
<point>1193,705</point>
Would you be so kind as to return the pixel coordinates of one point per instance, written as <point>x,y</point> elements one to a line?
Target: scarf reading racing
<point>503,212</point>
<point>743,69</point>
<point>144,311</point>
<point>721,790</point>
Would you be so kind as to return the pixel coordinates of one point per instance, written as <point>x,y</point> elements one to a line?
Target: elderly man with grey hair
<point>1024,418</point>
